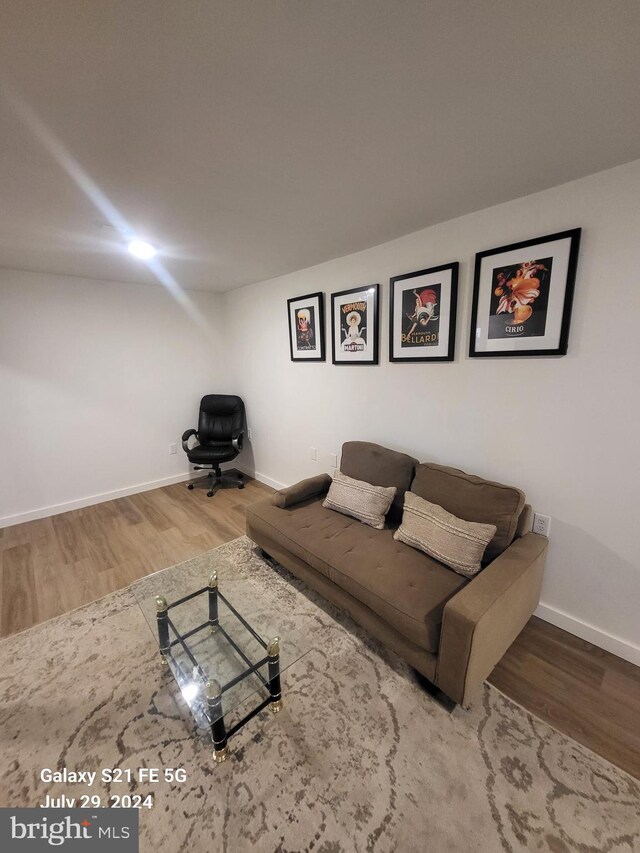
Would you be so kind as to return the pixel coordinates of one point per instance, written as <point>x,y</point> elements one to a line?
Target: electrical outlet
<point>541,524</point>
<point>333,460</point>
<point>249,436</point>
<point>173,449</point>
<point>313,453</point>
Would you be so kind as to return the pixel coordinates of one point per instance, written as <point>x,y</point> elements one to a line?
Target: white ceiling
<point>249,138</point>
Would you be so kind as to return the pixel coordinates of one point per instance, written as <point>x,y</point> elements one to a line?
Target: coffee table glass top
<point>234,653</point>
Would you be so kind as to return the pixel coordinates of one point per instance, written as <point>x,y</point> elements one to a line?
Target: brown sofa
<point>451,629</point>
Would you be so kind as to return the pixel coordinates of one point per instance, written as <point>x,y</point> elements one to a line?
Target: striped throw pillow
<point>457,543</point>
<point>360,500</point>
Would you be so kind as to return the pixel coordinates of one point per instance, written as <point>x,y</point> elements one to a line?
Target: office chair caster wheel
<point>241,485</point>
<point>190,486</point>
<point>209,494</point>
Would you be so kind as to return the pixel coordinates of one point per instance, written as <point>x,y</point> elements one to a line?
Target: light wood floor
<point>50,566</point>
<point>53,565</point>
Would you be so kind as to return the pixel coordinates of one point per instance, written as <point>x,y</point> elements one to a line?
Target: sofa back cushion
<point>369,504</point>
<point>473,499</point>
<point>379,466</point>
<point>457,543</point>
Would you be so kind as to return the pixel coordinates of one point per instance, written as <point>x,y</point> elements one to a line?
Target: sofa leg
<point>429,687</point>
<point>267,557</point>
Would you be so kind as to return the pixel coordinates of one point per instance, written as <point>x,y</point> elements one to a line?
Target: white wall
<point>96,380</point>
<point>565,430</point>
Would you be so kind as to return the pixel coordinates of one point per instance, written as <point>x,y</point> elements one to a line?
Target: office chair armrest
<point>237,440</point>
<point>185,439</point>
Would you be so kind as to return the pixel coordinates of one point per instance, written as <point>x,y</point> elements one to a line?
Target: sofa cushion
<point>405,587</point>
<point>359,499</point>
<point>379,466</point>
<point>473,499</point>
<point>457,543</point>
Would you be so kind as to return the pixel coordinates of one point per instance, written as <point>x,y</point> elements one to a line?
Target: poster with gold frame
<point>522,297</point>
<point>422,315</point>
<point>306,327</point>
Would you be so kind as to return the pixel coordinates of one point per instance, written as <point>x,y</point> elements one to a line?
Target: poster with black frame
<point>422,314</point>
<point>306,327</point>
<point>354,325</point>
<point>522,297</point>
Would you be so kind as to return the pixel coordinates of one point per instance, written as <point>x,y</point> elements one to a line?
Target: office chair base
<point>217,478</point>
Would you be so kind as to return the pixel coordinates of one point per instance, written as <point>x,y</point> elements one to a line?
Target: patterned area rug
<point>359,759</point>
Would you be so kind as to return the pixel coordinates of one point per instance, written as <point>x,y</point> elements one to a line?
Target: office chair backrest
<point>221,415</point>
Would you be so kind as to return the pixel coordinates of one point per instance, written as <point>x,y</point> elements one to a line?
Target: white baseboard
<point>56,509</point>
<point>261,478</point>
<point>596,636</point>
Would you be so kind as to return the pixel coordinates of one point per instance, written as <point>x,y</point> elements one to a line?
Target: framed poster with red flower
<point>422,308</point>
<point>522,297</point>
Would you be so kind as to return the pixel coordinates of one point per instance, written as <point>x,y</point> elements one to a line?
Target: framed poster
<point>422,306</point>
<point>354,325</point>
<point>306,327</point>
<point>522,297</point>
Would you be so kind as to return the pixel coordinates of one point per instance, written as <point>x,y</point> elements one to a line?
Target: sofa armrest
<point>302,491</point>
<point>482,620</point>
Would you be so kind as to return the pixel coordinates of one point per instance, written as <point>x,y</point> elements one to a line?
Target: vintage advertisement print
<point>522,297</point>
<point>421,320</point>
<point>422,323</point>
<point>306,327</point>
<point>355,326</point>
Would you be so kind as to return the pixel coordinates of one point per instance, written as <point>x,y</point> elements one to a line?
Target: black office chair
<point>220,434</point>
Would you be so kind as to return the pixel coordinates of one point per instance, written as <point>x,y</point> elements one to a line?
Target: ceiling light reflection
<point>142,249</point>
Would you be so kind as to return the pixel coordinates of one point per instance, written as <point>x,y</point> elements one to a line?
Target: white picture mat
<point>300,355</point>
<point>419,282</point>
<point>367,354</point>
<point>560,250</point>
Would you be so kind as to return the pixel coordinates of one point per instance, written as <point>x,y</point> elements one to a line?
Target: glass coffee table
<point>221,639</point>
